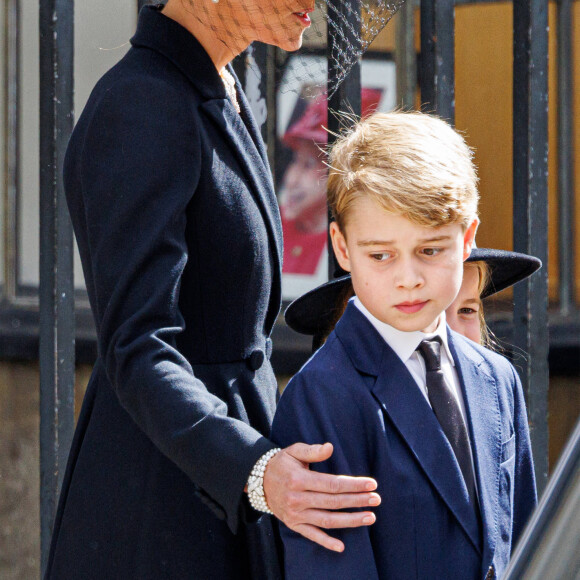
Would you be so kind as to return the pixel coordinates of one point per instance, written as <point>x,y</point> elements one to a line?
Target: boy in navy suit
<point>439,421</point>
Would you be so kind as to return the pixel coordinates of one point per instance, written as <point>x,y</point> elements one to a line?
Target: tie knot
<point>431,351</point>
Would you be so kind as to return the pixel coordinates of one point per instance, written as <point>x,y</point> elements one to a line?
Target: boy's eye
<point>381,256</point>
<point>432,251</point>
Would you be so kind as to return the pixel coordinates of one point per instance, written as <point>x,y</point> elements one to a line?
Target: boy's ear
<point>339,246</point>
<point>469,238</point>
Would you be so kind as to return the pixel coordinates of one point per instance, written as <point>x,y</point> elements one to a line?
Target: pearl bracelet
<point>256,482</point>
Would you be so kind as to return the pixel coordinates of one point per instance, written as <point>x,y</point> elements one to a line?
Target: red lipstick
<point>304,17</point>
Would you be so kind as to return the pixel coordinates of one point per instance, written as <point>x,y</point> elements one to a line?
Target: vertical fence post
<point>530,214</point>
<point>405,57</point>
<point>344,37</point>
<point>56,259</point>
<point>566,225</point>
<point>347,98</point>
<point>11,145</point>
<point>438,57</point>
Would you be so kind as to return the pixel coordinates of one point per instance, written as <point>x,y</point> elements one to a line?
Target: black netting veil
<point>341,31</point>
<point>352,25</point>
<point>322,39</point>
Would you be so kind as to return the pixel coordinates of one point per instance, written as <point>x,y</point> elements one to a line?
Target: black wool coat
<point>179,233</point>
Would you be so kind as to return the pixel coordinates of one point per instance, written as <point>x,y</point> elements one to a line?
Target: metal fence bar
<point>347,98</point>
<point>438,57</point>
<point>11,145</point>
<point>56,259</point>
<point>405,57</point>
<point>530,213</point>
<point>566,230</point>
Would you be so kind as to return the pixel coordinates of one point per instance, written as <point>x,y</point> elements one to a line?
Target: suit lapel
<point>404,403</point>
<point>483,417</point>
<point>401,399</point>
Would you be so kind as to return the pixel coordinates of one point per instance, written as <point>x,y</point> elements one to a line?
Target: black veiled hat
<point>315,311</point>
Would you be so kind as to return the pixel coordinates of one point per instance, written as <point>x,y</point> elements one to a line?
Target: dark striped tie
<point>447,411</point>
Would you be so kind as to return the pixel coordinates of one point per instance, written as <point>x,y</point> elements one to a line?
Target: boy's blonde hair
<point>413,164</point>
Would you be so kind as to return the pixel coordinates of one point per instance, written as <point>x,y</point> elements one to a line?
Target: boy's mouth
<point>411,307</point>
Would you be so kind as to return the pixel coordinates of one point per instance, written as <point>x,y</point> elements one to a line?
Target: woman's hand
<point>306,500</point>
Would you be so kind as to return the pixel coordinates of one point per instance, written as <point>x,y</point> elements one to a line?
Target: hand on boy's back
<point>306,500</point>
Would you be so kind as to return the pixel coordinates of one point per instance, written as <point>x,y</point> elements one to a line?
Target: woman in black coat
<point>179,233</point>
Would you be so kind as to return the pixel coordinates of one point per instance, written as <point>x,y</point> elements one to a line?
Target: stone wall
<point>19,468</point>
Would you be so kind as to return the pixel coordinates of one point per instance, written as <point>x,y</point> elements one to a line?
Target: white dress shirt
<point>405,344</point>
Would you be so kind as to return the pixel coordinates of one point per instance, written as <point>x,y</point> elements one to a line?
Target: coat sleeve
<point>139,168</point>
<point>305,413</point>
<point>525,495</point>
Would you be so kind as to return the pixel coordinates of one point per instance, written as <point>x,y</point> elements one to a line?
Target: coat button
<point>490,573</point>
<point>256,360</point>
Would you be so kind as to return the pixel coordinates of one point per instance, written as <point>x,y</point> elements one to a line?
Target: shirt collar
<point>405,343</point>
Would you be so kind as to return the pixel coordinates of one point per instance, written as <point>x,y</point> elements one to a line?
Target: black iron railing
<point>56,294</point>
<point>530,213</point>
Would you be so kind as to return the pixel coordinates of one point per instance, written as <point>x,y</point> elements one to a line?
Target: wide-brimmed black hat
<point>315,311</point>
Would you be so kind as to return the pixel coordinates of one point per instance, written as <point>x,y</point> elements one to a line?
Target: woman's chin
<point>287,44</point>
<point>293,45</point>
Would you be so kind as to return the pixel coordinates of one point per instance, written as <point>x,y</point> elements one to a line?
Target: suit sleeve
<point>525,495</point>
<point>140,166</point>
<point>306,414</point>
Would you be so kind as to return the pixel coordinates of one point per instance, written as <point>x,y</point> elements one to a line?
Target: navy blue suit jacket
<point>179,233</point>
<point>356,393</point>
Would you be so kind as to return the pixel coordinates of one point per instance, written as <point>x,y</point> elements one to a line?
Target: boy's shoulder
<point>324,364</point>
<point>328,373</point>
<point>327,399</point>
<point>494,363</point>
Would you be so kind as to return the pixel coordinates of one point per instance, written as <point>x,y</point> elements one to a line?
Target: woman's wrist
<point>255,484</point>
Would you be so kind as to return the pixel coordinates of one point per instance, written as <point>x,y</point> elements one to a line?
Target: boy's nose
<point>409,276</point>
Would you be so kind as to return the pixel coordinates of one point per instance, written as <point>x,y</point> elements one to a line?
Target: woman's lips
<point>411,307</point>
<point>304,18</point>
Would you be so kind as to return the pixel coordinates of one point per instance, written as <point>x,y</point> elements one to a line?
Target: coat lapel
<point>229,122</point>
<point>401,399</point>
<point>250,121</point>
<point>270,201</point>
<point>483,416</point>
<point>164,35</point>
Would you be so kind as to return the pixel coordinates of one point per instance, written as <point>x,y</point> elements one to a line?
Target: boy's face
<point>403,273</point>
